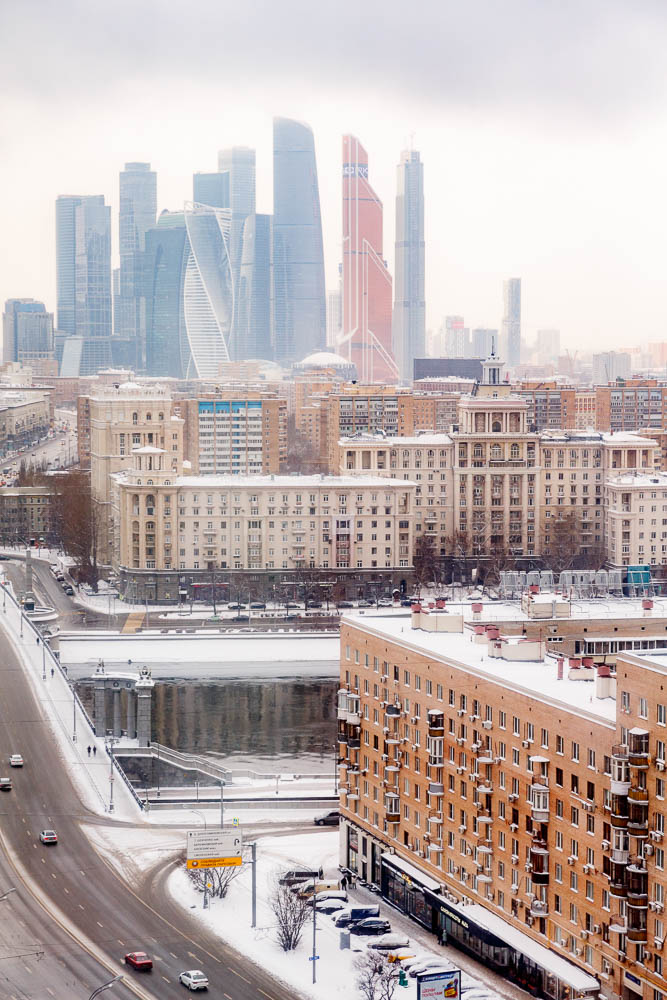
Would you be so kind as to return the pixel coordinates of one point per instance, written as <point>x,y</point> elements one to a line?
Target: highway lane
<point>75,879</point>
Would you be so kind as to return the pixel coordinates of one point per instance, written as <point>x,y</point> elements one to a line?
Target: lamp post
<point>43,657</point>
<point>110,745</point>
<point>73,715</point>
<point>105,986</point>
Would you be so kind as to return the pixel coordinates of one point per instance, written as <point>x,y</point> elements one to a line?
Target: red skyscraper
<point>367,293</point>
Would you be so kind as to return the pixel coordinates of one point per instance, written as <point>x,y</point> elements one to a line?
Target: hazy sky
<point>542,125</point>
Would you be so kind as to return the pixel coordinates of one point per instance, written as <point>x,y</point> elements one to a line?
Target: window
<point>661,715</point>
<point>575,751</point>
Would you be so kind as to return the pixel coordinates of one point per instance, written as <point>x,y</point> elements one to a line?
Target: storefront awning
<point>415,876</point>
<point>547,959</point>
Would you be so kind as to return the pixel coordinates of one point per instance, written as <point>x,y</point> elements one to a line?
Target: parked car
<point>237,607</point>
<point>330,906</point>
<point>139,960</point>
<point>345,604</point>
<point>5,784</point>
<point>429,963</point>
<point>330,818</point>
<point>257,605</point>
<point>194,980</point>
<point>390,942</point>
<point>385,602</point>
<point>315,604</point>
<point>364,604</point>
<point>48,836</point>
<point>354,913</point>
<point>296,875</point>
<point>69,590</point>
<point>370,925</point>
<point>405,603</point>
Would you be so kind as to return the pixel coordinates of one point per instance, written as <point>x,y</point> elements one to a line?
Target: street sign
<point>214,848</point>
<point>439,985</point>
<point>313,958</point>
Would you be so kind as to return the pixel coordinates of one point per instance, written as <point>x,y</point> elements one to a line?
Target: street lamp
<point>105,986</point>
<point>110,745</point>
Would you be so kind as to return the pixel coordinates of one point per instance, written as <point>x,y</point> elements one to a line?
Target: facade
<point>448,367</point>
<point>509,799</point>
<point>636,404</point>
<point>409,317</point>
<point>456,338</point>
<point>266,530</point>
<point>211,189</point>
<point>512,321</point>
<point>138,209</point>
<point>548,345</point>
<point>610,366</point>
<point>254,295</point>
<point>167,252</point>
<point>207,326</point>
<point>26,515</point>
<point>235,434</point>
<point>299,307</point>
<point>549,405</point>
<point>484,342</point>
<point>25,416</point>
<point>27,332</point>
<point>636,520</point>
<point>238,164</point>
<point>367,297</point>
<point>116,419</point>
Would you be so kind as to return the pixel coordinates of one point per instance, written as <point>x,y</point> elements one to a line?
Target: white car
<point>428,964</point>
<point>16,760</point>
<point>194,979</point>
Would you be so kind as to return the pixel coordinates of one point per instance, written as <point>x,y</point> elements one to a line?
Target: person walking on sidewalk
<point>89,749</point>
<point>94,751</point>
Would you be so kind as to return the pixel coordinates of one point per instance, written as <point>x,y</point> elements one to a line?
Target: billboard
<point>439,985</point>
<point>214,848</point>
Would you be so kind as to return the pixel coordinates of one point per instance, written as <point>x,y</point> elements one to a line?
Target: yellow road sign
<point>214,862</point>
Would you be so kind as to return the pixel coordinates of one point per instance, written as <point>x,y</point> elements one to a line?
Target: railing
<point>125,778</point>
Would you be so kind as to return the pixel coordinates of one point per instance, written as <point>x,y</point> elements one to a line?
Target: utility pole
<point>253,922</point>
<point>110,745</point>
<point>222,804</point>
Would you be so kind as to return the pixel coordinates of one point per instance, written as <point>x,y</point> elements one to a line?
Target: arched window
<point>496,451</point>
<point>150,503</point>
<point>149,416</point>
<point>496,427</point>
<point>135,418</point>
<point>149,482</point>
<point>514,451</point>
<point>160,416</point>
<point>150,525</point>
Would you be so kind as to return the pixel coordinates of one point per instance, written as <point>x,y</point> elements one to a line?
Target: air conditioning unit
<point>565,942</point>
<point>515,886</point>
<point>528,866</point>
<point>656,836</point>
<point>648,850</point>
<point>461,712</point>
<point>622,956</point>
<point>659,907</point>
<point>514,827</point>
<point>455,869</point>
<point>460,770</point>
<point>472,717</point>
<point>385,756</point>
<point>460,740</point>
<point>513,797</point>
<point>584,935</point>
<point>658,943</point>
<point>605,845</point>
<point>515,859</point>
<point>473,777</point>
<point>571,859</point>
<point>651,905</point>
<point>464,876</point>
<point>469,851</point>
<point>647,956</point>
<point>660,764</point>
<point>596,928</point>
<point>529,919</point>
<point>463,828</point>
<point>589,869</point>
<point>427,836</point>
<point>414,720</point>
<point>487,724</point>
<point>525,744</point>
<point>577,951</point>
<point>420,854</point>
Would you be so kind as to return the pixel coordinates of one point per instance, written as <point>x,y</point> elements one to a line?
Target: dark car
<point>69,590</point>
<point>139,960</point>
<point>237,607</point>
<point>345,604</point>
<point>406,603</point>
<point>257,605</point>
<point>331,818</point>
<point>364,604</point>
<point>5,784</point>
<point>314,604</point>
<point>370,926</point>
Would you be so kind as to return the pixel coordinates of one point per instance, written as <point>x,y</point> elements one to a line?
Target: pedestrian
<point>343,883</point>
<point>89,749</point>
<point>52,671</point>
<point>94,751</point>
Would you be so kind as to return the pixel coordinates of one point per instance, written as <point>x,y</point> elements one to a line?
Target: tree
<point>376,977</point>
<point>560,543</point>
<point>291,911</point>
<point>219,879</point>
<point>301,455</point>
<point>76,523</point>
<point>425,561</point>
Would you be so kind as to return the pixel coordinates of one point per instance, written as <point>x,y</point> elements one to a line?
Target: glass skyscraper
<point>512,320</point>
<point>66,262</point>
<point>166,254</point>
<point>252,336</point>
<point>138,208</point>
<point>211,189</point>
<point>299,321</point>
<point>208,292</point>
<point>408,320</point>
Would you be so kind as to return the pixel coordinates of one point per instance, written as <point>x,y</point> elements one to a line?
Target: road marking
<point>166,980</point>
<point>172,954</point>
<point>227,995</point>
<point>239,975</point>
<point>50,991</point>
<point>197,960</point>
<point>53,875</point>
<point>41,859</point>
<point>82,871</point>
<point>28,969</point>
<point>23,819</point>
<point>97,922</point>
<point>80,906</point>
<point>122,943</point>
<point>265,994</point>
<point>66,890</point>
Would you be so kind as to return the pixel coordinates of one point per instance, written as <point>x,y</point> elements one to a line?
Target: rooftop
<point>640,479</point>
<point>438,439</point>
<point>280,482</point>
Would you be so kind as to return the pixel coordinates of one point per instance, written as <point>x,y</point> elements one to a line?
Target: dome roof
<point>324,359</point>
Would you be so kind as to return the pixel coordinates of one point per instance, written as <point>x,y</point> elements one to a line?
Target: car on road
<point>237,607</point>
<point>257,605</point>
<point>16,760</point>
<point>5,784</point>
<point>48,836</point>
<point>364,604</point>
<point>370,925</point>
<point>330,818</point>
<point>345,604</point>
<point>315,604</point>
<point>69,590</point>
<point>139,960</point>
<point>385,602</point>
<point>194,980</point>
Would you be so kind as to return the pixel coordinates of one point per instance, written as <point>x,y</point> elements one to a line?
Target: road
<point>87,893</point>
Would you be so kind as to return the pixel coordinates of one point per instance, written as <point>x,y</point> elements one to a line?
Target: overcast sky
<point>542,125</point>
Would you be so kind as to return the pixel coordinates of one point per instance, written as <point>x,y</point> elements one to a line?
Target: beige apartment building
<point>177,530</point>
<point>511,800</point>
<point>235,433</point>
<point>25,415</point>
<point>636,520</point>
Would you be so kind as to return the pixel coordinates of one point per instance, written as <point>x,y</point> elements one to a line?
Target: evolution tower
<point>365,338</point>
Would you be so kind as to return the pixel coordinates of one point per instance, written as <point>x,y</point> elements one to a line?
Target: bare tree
<point>219,879</point>
<point>560,541</point>
<point>291,912</point>
<point>376,977</point>
<point>426,562</point>
<point>76,523</point>
<point>301,455</point>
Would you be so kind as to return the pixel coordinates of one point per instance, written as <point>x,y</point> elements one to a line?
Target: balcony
<point>638,748</point>
<point>436,789</point>
<point>539,803</point>
<point>539,908</point>
<point>637,884</point>
<point>436,723</point>
<point>618,923</point>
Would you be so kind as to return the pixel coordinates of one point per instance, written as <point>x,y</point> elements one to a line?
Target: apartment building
<point>512,801</point>
<point>585,405</point>
<point>26,515</point>
<point>118,419</point>
<point>234,433</point>
<point>636,516</point>
<point>25,415</point>
<point>629,406</point>
<point>549,404</point>
<point>176,529</point>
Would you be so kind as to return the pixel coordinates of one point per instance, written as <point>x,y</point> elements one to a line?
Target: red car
<point>139,960</point>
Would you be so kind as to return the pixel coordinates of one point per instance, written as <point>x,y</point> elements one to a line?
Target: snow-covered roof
<point>288,482</point>
<point>324,359</point>
<point>644,479</point>
<point>439,439</point>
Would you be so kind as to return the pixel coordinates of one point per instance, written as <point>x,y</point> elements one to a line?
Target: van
<point>307,888</point>
<point>296,875</point>
<point>346,917</point>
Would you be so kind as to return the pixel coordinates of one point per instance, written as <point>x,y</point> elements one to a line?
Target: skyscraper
<point>66,261</point>
<point>238,164</point>
<point>484,342</point>
<point>166,255</point>
<point>365,338</point>
<point>252,337</point>
<point>512,320</point>
<point>409,321</point>
<point>27,331</point>
<point>138,208</point>
<point>211,189</point>
<point>298,255</point>
<point>208,292</point>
